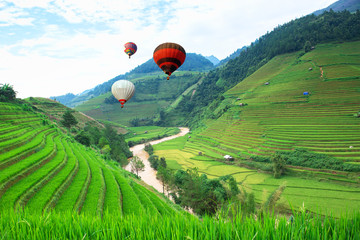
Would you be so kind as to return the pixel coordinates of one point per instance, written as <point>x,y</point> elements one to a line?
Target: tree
<point>149,149</point>
<point>137,165</point>
<point>154,161</point>
<point>307,46</point>
<point>68,119</point>
<point>162,162</point>
<point>163,175</point>
<point>119,150</point>
<point>279,165</point>
<point>83,138</point>
<point>7,93</point>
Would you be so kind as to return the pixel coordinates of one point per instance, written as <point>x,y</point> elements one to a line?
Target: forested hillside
<point>300,34</point>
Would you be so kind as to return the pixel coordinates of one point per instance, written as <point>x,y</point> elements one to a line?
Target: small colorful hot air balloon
<point>169,57</point>
<point>123,90</point>
<point>130,48</point>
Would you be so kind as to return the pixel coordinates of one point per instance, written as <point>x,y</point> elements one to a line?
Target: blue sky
<point>53,47</point>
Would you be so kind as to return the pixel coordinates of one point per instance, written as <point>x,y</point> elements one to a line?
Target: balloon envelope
<point>130,48</point>
<point>169,57</point>
<point>123,90</point>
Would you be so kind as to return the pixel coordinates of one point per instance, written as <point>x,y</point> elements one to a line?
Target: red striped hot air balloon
<point>169,57</point>
<point>130,48</point>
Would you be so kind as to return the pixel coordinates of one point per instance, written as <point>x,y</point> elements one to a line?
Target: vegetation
<point>44,170</point>
<point>288,38</point>
<point>137,165</point>
<point>302,225</point>
<point>7,93</point>
<point>279,165</point>
<point>68,120</point>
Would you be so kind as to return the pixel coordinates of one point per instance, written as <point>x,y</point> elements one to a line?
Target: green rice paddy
<point>279,117</point>
<point>42,169</point>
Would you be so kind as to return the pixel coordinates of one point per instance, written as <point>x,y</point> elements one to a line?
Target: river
<point>149,174</point>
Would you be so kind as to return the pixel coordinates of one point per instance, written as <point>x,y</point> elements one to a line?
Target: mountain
<point>341,5</point>
<point>290,37</point>
<point>152,96</point>
<point>213,59</point>
<point>232,56</point>
<point>194,62</point>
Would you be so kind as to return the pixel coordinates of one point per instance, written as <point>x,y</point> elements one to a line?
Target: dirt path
<point>149,174</point>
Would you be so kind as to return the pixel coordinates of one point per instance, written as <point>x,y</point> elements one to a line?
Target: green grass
<point>153,93</point>
<point>279,117</point>
<point>48,170</point>
<point>74,196</point>
<point>147,133</point>
<point>130,201</point>
<point>22,225</point>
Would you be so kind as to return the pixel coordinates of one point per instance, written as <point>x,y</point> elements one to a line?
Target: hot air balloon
<point>169,57</point>
<point>130,48</point>
<point>123,90</point>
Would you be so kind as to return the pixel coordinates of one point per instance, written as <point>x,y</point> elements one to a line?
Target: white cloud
<point>14,16</point>
<point>67,57</point>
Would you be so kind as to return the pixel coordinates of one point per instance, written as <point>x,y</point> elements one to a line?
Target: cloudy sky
<point>53,47</point>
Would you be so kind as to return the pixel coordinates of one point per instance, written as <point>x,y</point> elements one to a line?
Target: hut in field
<point>200,153</point>
<point>238,99</point>
<point>310,69</point>
<point>228,158</point>
<point>146,131</point>
<point>306,93</point>
<point>267,83</point>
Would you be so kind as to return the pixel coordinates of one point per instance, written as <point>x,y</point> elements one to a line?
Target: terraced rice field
<point>42,169</point>
<point>317,194</point>
<point>279,117</point>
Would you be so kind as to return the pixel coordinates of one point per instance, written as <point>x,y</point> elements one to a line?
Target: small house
<point>310,69</point>
<point>228,158</point>
<point>267,83</point>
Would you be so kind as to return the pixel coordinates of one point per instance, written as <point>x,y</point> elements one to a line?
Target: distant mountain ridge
<point>213,59</point>
<point>193,62</point>
<point>341,5</point>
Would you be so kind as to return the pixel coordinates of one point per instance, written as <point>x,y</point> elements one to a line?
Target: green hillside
<point>278,116</point>
<point>43,169</point>
<point>267,112</point>
<point>153,93</point>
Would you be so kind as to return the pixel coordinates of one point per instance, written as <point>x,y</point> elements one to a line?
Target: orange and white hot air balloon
<point>123,90</point>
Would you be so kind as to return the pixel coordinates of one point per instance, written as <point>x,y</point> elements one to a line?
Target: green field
<point>153,93</point>
<point>43,169</point>
<point>147,133</point>
<point>279,117</point>
<point>23,225</point>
